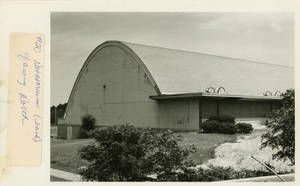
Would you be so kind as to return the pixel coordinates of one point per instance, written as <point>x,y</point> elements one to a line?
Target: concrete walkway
<point>65,175</point>
<point>286,177</point>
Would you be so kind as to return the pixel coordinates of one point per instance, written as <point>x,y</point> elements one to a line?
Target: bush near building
<point>212,126</point>
<point>244,128</point>
<point>225,125</point>
<point>222,119</point>
<point>87,127</point>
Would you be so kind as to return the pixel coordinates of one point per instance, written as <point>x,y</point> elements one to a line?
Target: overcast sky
<point>265,37</point>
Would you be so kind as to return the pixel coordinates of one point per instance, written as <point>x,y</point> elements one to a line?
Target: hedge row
<point>221,119</point>
<point>216,174</point>
<point>225,125</point>
<point>212,126</point>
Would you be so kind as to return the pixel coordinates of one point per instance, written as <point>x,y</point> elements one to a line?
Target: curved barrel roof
<point>183,73</point>
<point>179,72</point>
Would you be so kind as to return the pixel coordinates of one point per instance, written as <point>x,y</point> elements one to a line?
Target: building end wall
<point>179,114</point>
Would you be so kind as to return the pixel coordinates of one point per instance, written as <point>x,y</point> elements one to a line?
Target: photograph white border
<point>34,17</point>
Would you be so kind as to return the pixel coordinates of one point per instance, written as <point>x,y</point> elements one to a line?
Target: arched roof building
<point>166,88</point>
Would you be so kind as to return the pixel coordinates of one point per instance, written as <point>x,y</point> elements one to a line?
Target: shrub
<point>244,128</point>
<point>221,119</point>
<point>216,174</point>
<point>212,126</point>
<point>225,125</point>
<point>87,126</point>
<point>281,134</point>
<point>88,122</point>
<point>127,153</point>
<point>227,128</point>
<point>85,133</point>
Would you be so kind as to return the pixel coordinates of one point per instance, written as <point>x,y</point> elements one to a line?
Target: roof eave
<point>202,95</point>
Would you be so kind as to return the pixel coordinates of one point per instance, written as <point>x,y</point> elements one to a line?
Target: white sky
<point>265,37</point>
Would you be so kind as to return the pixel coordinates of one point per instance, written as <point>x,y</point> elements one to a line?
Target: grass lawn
<point>205,144</point>
<point>64,154</point>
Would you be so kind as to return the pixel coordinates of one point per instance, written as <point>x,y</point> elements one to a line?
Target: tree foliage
<point>127,153</point>
<point>281,133</point>
<point>213,173</point>
<point>52,111</point>
<point>57,112</point>
<point>88,125</point>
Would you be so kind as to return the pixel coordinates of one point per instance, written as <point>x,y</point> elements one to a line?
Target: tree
<point>57,112</point>
<point>61,108</point>
<point>128,153</point>
<point>53,117</point>
<point>281,133</point>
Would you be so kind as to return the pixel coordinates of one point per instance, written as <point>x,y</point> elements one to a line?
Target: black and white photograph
<point>172,97</point>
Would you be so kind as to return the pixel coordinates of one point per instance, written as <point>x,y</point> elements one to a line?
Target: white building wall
<point>115,90</point>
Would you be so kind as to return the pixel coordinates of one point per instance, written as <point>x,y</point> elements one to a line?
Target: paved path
<point>286,177</point>
<point>65,175</point>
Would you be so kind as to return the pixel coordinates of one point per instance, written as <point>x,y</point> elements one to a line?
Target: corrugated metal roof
<point>177,72</point>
